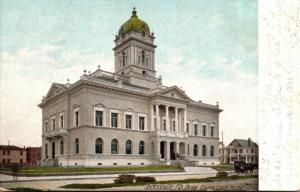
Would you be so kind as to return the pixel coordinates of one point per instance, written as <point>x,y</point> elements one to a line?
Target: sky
<point>209,48</point>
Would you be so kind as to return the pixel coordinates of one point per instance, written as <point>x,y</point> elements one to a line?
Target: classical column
<point>186,151</point>
<point>176,119</point>
<point>177,149</point>
<point>184,120</point>
<point>157,148</point>
<point>167,118</point>
<point>157,117</point>
<point>152,118</point>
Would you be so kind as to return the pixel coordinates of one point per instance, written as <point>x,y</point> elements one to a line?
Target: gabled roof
<point>244,142</point>
<point>174,90</point>
<point>54,89</point>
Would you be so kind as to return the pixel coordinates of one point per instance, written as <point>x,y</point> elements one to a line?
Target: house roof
<point>10,147</point>
<point>245,142</point>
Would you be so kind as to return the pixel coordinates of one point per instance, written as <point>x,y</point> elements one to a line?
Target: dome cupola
<point>134,24</point>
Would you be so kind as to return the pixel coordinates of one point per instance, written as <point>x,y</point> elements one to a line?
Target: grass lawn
<point>57,170</point>
<point>109,185</point>
<point>222,167</point>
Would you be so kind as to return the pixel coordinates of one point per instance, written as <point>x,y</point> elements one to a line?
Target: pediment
<point>75,106</point>
<point>54,90</point>
<point>130,109</point>
<point>99,105</point>
<point>174,92</point>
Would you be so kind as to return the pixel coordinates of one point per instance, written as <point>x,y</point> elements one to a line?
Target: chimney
<point>249,140</point>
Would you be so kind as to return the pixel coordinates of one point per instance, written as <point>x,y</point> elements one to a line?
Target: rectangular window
<point>195,129</point>
<point>187,127</point>
<point>53,124</point>
<point>164,124</point>
<point>8,152</point>
<point>114,119</point>
<point>241,150</point>
<point>173,125</point>
<point>141,123</point>
<point>46,126</point>
<point>21,160</point>
<point>99,118</point>
<point>204,130</point>
<point>3,152</point>
<point>128,121</point>
<point>212,131</point>
<point>155,124</point>
<point>252,150</point>
<point>21,153</point>
<point>61,119</point>
<point>76,118</point>
<point>8,160</point>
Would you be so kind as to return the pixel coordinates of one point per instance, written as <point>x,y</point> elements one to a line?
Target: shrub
<point>222,174</point>
<point>125,179</point>
<point>144,179</point>
<point>179,166</point>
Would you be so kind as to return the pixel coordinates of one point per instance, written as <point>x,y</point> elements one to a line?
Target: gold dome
<point>134,24</point>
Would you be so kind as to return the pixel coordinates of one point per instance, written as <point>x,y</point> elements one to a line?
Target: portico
<point>172,150</point>
<point>168,120</point>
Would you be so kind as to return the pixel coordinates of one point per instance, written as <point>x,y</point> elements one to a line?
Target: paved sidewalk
<point>54,182</point>
<point>187,171</point>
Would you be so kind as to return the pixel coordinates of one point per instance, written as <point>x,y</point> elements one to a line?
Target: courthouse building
<point>127,117</point>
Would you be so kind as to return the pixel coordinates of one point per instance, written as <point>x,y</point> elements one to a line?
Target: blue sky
<point>207,47</point>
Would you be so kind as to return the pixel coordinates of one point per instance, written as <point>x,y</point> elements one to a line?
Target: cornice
<point>136,39</point>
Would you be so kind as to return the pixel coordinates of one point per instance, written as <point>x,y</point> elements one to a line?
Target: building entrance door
<point>162,150</point>
<point>53,150</point>
<point>172,151</point>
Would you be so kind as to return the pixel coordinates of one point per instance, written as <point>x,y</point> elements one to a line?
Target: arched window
<point>61,147</point>
<point>76,146</point>
<point>114,146</point>
<point>195,150</point>
<point>123,58</point>
<point>203,150</point>
<point>128,147</point>
<point>142,148</point>
<point>212,149</point>
<point>98,145</point>
<point>46,151</point>
<point>143,56</point>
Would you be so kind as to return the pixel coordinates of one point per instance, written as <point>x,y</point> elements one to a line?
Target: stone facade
<point>127,117</point>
